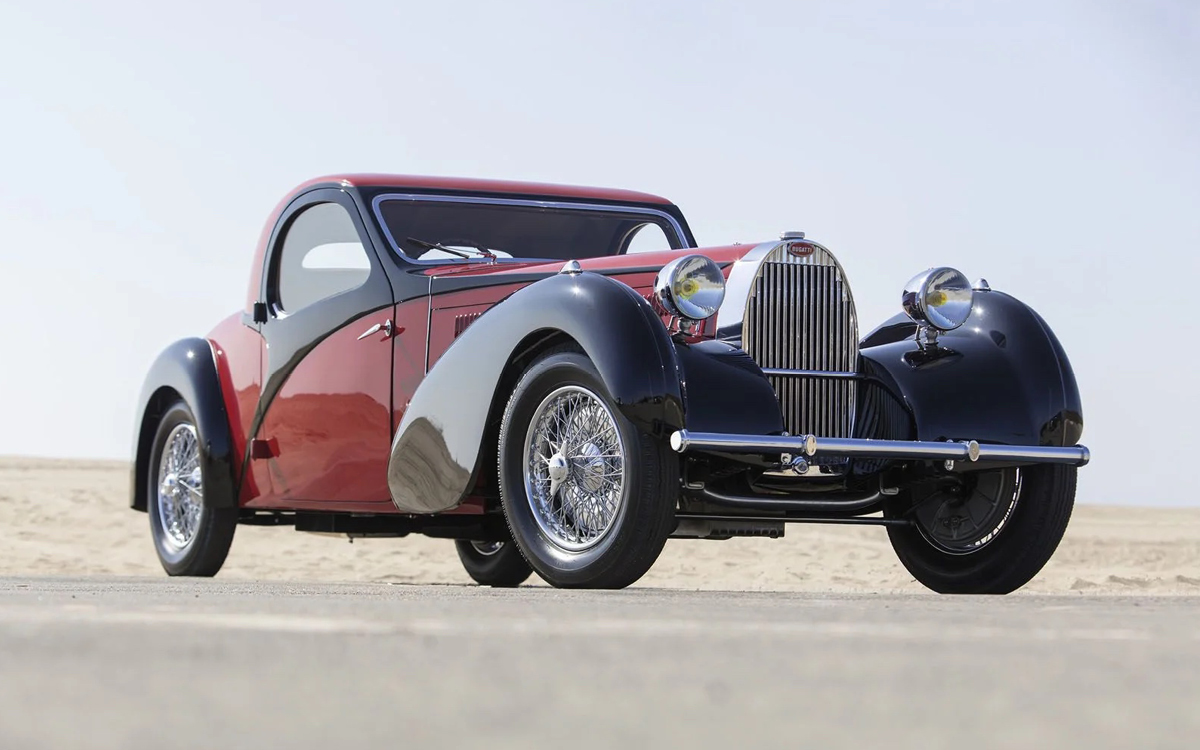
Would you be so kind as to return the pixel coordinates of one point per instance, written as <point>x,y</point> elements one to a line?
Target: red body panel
<point>408,354</point>
<point>330,425</point>
<point>238,352</point>
<point>452,310</point>
<point>721,254</point>
<point>452,313</point>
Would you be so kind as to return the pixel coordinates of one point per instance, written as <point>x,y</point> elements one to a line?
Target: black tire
<point>1016,552</point>
<point>204,553</point>
<point>496,564</point>
<point>645,513</point>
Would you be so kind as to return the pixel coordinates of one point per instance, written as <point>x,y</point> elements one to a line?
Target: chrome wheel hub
<point>558,469</point>
<point>574,468</point>
<point>180,488</point>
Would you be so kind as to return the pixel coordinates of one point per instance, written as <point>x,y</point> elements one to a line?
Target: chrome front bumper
<point>810,445</point>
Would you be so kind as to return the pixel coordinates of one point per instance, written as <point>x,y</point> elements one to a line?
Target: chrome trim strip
<point>428,320</point>
<point>684,441</point>
<point>680,237</point>
<point>1078,455</point>
<point>783,372</point>
<point>737,290</point>
<point>758,518</point>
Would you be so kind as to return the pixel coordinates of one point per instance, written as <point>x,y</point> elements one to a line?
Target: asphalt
<point>159,663</point>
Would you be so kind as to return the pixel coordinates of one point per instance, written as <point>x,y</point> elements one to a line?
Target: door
<point>326,407</point>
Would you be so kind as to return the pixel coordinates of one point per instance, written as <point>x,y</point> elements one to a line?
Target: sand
<point>71,518</point>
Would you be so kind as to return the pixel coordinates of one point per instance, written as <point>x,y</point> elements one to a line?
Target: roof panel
<point>470,185</point>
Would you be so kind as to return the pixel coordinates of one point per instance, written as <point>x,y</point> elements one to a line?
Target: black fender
<point>186,369</point>
<point>438,444</point>
<point>1002,377</point>
<point>724,390</point>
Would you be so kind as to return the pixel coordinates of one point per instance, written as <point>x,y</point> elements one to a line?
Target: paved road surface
<point>157,663</point>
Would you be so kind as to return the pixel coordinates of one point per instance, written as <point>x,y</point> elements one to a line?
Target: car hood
<point>614,265</point>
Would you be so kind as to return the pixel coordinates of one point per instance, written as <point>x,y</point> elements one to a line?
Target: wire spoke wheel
<point>180,488</point>
<point>588,496</point>
<point>575,469</point>
<point>192,521</point>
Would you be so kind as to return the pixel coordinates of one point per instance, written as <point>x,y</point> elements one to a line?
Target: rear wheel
<point>990,537</point>
<point>496,564</point>
<point>589,498</point>
<point>190,539</point>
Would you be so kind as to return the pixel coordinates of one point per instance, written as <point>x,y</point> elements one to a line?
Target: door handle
<point>385,326</point>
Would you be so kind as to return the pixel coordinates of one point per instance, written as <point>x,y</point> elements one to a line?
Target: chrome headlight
<point>690,287</point>
<point>941,297</point>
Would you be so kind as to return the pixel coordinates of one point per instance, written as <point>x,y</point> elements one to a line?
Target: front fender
<point>726,391</point>
<point>186,369</point>
<point>1001,378</point>
<point>438,443</point>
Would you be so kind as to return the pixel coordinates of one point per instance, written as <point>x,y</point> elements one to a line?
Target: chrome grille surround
<point>794,315</point>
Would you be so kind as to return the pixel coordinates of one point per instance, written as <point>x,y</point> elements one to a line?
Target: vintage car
<point>559,380</point>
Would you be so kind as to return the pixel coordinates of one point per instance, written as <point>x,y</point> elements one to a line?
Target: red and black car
<point>557,379</point>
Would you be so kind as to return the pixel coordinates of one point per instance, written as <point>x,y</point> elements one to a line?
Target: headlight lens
<point>690,287</point>
<point>941,297</point>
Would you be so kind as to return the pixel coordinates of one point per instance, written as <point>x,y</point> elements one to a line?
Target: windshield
<point>512,230</point>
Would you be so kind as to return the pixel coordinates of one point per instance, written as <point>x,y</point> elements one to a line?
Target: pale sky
<point>1051,147</point>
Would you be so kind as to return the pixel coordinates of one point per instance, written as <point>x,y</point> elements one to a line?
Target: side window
<point>322,255</point>
<point>647,238</point>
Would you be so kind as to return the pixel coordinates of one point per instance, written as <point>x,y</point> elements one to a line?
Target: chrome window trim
<point>377,201</point>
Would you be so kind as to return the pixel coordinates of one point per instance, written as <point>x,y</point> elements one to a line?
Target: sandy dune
<point>61,517</point>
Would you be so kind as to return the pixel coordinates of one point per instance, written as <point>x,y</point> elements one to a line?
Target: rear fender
<point>186,370</point>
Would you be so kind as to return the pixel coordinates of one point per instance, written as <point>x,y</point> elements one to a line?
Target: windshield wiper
<point>453,251</point>
<point>483,250</point>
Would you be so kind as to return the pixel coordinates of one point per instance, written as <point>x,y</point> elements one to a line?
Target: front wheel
<point>589,498</point>
<point>991,536</point>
